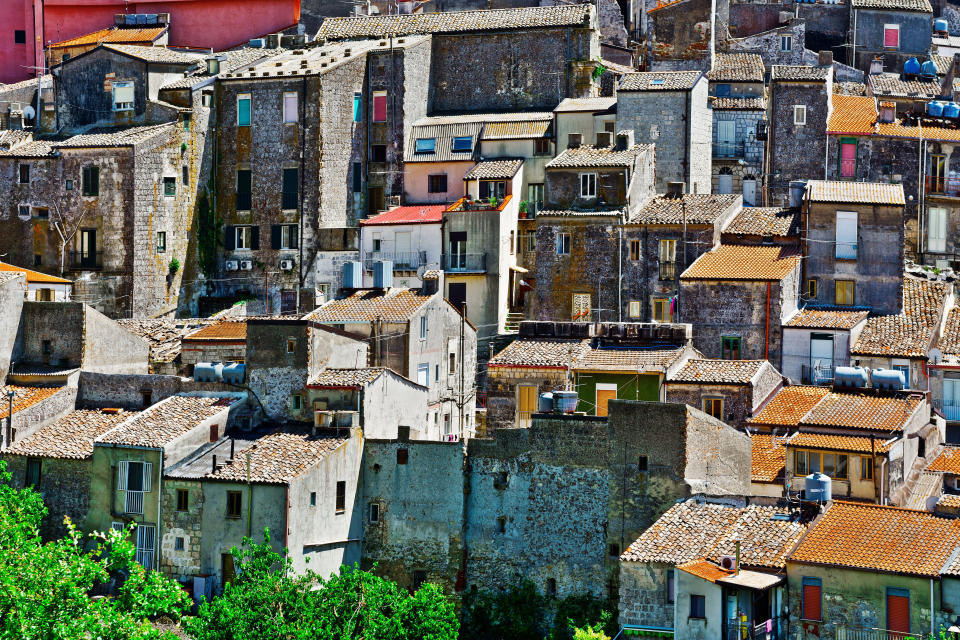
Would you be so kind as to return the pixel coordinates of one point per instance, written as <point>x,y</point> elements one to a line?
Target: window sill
<point>696,619</point>
<point>230,517</point>
<point>339,512</point>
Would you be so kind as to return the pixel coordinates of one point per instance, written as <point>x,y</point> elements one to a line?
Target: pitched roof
<point>769,457</point>
<point>343,378</point>
<point>856,411</point>
<point>737,67</point>
<point>498,169</point>
<point>853,115</point>
<point>922,6</point>
<point>855,192</point>
<point>165,421</point>
<point>518,129</point>
<point>895,85</point>
<point>826,319</point>
<point>829,442</point>
<point>765,221</point>
<point>34,276</point>
<point>739,104</point>
<point>799,73</point>
<point>718,371</point>
<point>788,407</point>
<point>589,156</point>
<point>366,305</point>
<point>540,353</point>
<point>23,397</point>
<point>949,342</point>
<point>230,61</point>
<point>742,262</point>
<point>159,55</point>
<point>628,359</point>
<point>113,34</point>
<point>659,81</point>
<point>690,208</point>
<point>702,568</point>
<point>220,331</point>
<point>409,214</point>
<point>126,137</point>
<point>948,461</point>
<point>164,335</point>
<point>278,458</point>
<point>575,213</point>
<point>577,15</point>
<point>908,333</point>
<point>71,436</point>
<point>442,132</point>
<point>879,538</point>
<point>690,530</point>
<point>602,103</point>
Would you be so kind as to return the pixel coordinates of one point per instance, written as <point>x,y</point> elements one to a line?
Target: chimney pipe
<point>233,443</point>
<point>214,463</point>
<point>736,561</point>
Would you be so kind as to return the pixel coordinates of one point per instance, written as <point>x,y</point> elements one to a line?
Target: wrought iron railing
<point>847,633</point>
<point>461,262</point>
<point>402,261</point>
<point>88,260</point>
<point>133,502</point>
<point>950,412</point>
<point>728,149</point>
<point>816,374</point>
<point>668,270</point>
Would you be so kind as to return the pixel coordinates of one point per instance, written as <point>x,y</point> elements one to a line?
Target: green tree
<point>45,587</point>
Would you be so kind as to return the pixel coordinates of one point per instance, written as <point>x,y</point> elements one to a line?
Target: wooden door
<point>603,397</point>
<point>526,404</point>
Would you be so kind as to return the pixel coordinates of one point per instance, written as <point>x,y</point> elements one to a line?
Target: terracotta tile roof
<point>160,55</point>
<point>587,156</point>
<point>702,568</point>
<point>899,129</point>
<point>826,319</point>
<point>571,213</point>
<point>909,333</point>
<point>799,73</point>
<point>878,538</point>
<point>409,214</point>
<point>518,129</point>
<point>165,421</point>
<point>788,407</point>
<point>853,115</point>
<point>34,276</point>
<point>742,262</point>
<point>31,149</point>
<point>119,36</point>
<point>922,6</point>
<point>856,411</point>
<point>949,342</point>
<point>220,331</point>
<point>659,81</point>
<point>765,221</point>
<point>494,169</point>
<point>540,353</point>
<point>628,359</point>
<point>690,530</point>
<point>71,436</point>
<point>127,137</point>
<point>769,457</point>
<point>694,209</point>
<point>849,89</point>
<point>278,458</point>
<point>948,461</point>
<point>739,104</point>
<point>855,192</point>
<point>23,397</point>
<point>586,104</point>
<point>737,67</point>
<point>950,501</point>
<point>455,21</point>
<point>355,378</point>
<point>165,336</point>
<point>718,371</point>
<point>394,305</point>
<point>853,444</point>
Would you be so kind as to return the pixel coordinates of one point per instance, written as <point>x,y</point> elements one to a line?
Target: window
<point>866,468</point>
<point>69,185</point>
<point>161,241</point>
<point>146,536</point>
<point>891,36</point>
<point>698,606</point>
<point>24,173</point>
<point>830,464</point>
<point>24,211</point>
<point>19,36</point>
<point>810,599</point>
<point>374,512</point>
<point>234,504</point>
<point>904,367</point>
<point>713,407</point>
<point>423,374</point>
<point>378,153</point>
<point>722,90</point>
<point>296,402</point>
<point>936,229</point>
<point>379,106</point>
<point>846,235</point>
<point>357,107</point>
<point>799,114</point>
<point>244,189</point>
<point>290,114</point>
<point>588,185</point>
<point>341,496</point>
<point>357,177</point>
<point>178,543</point>
<point>169,187</point>
<point>661,310</point>
<point>453,363</point>
<point>425,145</point>
<point>423,327</point>
<point>313,498</point>
<point>613,550</point>
<point>552,587</point>
<point>730,346</point>
<point>244,102</point>
<point>403,455</point>
<point>185,120</point>
<point>501,524</point>
<point>37,260</point>
<point>284,236</point>
<point>90,181</point>
<point>848,157</point>
<point>183,500</point>
<point>291,190</point>
<point>633,309</point>
<point>812,288</point>
<point>291,345</point>
<point>668,259</point>
<point>462,143</point>
<point>580,310</point>
<point>495,189</point>
<point>671,586</point>
<point>243,237</point>
<point>541,147</point>
<point>634,249</point>
<point>844,292</point>
<point>419,578</point>
<point>786,43</point>
<point>34,467</point>
<point>643,463</point>
<point>134,479</point>
<point>146,397</point>
<point>437,183</point>
<point>563,244</point>
<point>185,175</point>
<point>123,96</point>
<point>377,243</point>
<point>534,198</point>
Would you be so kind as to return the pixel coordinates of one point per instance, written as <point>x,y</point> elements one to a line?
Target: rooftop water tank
<point>208,372</point>
<point>941,25</point>
<point>545,402</point>
<point>850,377</point>
<point>911,67</point>
<point>352,275</point>
<point>951,110</point>
<point>934,107</point>
<point>928,69</point>
<point>382,274</point>
<point>888,379</point>
<point>565,401</point>
<point>818,487</point>
<point>234,372</point>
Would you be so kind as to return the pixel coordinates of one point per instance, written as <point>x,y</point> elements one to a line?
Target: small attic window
<point>657,81</point>
<point>425,145</point>
<point>463,143</point>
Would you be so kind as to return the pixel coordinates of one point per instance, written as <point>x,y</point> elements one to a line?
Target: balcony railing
<point>145,558</point>
<point>949,412</point>
<point>727,149</point>
<point>133,502</point>
<point>466,262</point>
<point>816,374</point>
<point>943,185</point>
<point>668,270</point>
<point>81,261</point>
<point>402,261</point>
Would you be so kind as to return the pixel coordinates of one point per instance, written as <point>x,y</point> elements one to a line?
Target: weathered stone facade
<point>65,487</point>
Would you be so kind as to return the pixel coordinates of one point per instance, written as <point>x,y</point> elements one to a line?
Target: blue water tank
<point>934,108</point>
<point>208,372</point>
<point>382,274</point>
<point>941,25</point>
<point>818,487</point>
<point>850,377</point>
<point>565,401</point>
<point>888,379</point>
<point>911,67</point>
<point>928,69</point>
<point>545,402</point>
<point>951,110</point>
<point>352,275</point>
<point>234,372</point>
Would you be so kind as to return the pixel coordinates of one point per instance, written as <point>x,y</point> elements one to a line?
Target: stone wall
<point>185,525</point>
<point>796,152</point>
<point>737,399</point>
<point>679,36</point>
<point>12,290</point>
<point>643,595</point>
<point>767,43</point>
<point>562,189</point>
<point>27,421</point>
<point>502,385</point>
<point>65,487</point>
<point>101,390</point>
<point>915,34</point>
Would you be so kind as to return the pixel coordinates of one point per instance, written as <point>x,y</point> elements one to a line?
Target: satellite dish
<point>935,356</point>
<point>28,112</point>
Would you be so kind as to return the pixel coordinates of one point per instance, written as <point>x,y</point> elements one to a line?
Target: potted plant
<point>174,266</point>
<point>524,206</point>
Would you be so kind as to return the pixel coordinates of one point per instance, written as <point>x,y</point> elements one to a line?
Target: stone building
<point>894,30</point>
<point>738,297</point>
<point>155,34</point>
<point>682,34</point>
<point>219,342</point>
<point>584,119</point>
<point>409,237</point>
<point>669,110</point>
<point>729,390</point>
<point>764,225</point>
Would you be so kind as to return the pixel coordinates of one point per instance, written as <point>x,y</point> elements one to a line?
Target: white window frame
<point>800,114</point>
<point>288,231</point>
<point>423,374</point>
<point>146,544</point>
<point>633,309</point>
<point>243,238</point>
<point>133,498</point>
<point>786,43</point>
<point>123,105</point>
<point>937,229</point>
<point>423,327</point>
<point>289,118</point>
<point>842,219</point>
<point>893,27</point>
<point>563,243</point>
<point>588,185</point>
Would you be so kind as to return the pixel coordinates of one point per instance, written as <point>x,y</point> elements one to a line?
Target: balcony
<point>466,204</point>
<point>943,186</point>
<point>950,412</point>
<point>402,261</point>
<point>133,502</point>
<point>89,261</point>
<point>465,263</point>
<point>816,374</point>
<point>668,270</point>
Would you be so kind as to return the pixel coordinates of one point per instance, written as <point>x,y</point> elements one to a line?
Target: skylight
<point>425,145</point>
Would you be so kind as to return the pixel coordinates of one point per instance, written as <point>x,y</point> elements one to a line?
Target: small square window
<point>291,345</point>
<point>178,544</point>
<point>161,241</point>
<point>425,145</point>
<point>812,288</point>
<point>799,114</point>
<point>69,185</point>
<point>313,498</point>
<point>19,36</point>
<point>613,550</point>
<point>642,462</point>
<point>183,500</point>
<point>296,402</point>
<point>378,153</point>
<point>437,183</point>
<point>542,147</point>
<point>730,347</point>
<point>713,407</point>
<point>234,504</point>
<point>463,143</point>
<point>403,456</point>
<point>844,292</point>
<point>123,96</point>
<point>169,187</point>
<point>633,309</point>
<point>698,606</point>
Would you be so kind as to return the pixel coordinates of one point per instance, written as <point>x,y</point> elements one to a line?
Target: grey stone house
<point>892,29</point>
<point>729,390</point>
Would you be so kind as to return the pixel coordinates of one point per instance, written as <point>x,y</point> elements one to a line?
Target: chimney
<point>675,190</point>
<point>213,66</point>
<point>888,111</point>
<point>431,282</point>
<point>233,443</point>
<point>825,58</point>
<point>574,140</point>
<point>214,463</point>
<point>876,65</point>
<point>625,140</point>
<point>604,139</point>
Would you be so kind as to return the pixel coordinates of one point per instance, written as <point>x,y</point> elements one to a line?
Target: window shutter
<point>230,238</point>
<point>294,236</point>
<point>898,610</point>
<point>147,476</point>
<point>275,232</point>
<point>357,177</point>
<point>255,237</point>
<point>811,602</point>
<point>123,92</point>
<point>122,468</point>
<point>380,106</point>
<point>949,392</point>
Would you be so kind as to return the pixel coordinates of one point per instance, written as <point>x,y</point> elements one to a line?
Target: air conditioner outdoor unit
<point>246,265</point>
<point>286,265</point>
<point>729,563</point>
<point>232,265</point>
<point>15,106</point>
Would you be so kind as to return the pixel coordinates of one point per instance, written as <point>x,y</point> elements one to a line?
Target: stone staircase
<point>512,323</point>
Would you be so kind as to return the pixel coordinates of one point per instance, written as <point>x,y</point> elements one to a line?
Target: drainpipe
<point>620,274</point>
<point>250,501</point>
<point>158,530</point>
<point>921,190</point>
<point>300,178</point>
<point>766,333</point>
<point>933,622</point>
<point>883,481</point>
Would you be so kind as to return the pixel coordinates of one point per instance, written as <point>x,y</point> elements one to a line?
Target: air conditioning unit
<point>246,265</point>
<point>232,265</point>
<point>15,106</point>
<point>286,265</point>
<point>728,563</point>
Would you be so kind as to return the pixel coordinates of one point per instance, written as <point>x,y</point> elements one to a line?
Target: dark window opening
<point>502,524</point>
<point>147,398</point>
<point>90,181</point>
<point>183,500</point>
<point>378,153</point>
<point>501,480</point>
<point>291,189</point>
<point>419,578</point>
<point>178,544</point>
<point>214,432</point>
<point>234,504</point>
<point>19,36</point>
<point>402,456</point>
<point>244,191</point>
<point>169,187</point>
<point>437,183</point>
<point>698,606</point>
<point>341,496</point>
<point>24,174</point>
<point>552,587</point>
<point>614,550</point>
<point>34,466</point>
<point>313,498</point>
<point>642,463</point>
<point>37,260</point>
<point>374,512</point>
